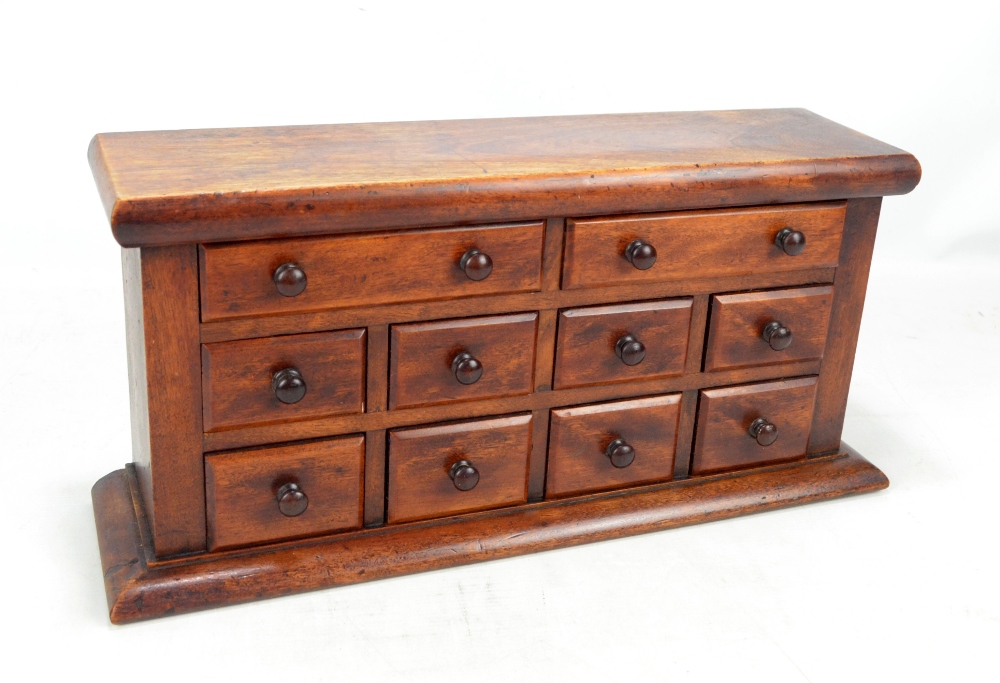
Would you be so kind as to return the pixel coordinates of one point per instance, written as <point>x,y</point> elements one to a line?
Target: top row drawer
<point>309,274</point>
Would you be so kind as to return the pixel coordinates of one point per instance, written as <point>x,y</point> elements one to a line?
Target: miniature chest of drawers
<point>359,351</point>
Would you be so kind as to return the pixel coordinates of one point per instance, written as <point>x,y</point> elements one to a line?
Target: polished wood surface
<point>460,360</point>
<point>728,438</point>
<point>228,184</point>
<point>237,280</point>
<point>422,483</point>
<point>737,333</point>
<point>242,378</point>
<point>249,501</point>
<point>589,352</point>
<point>580,437</point>
<point>700,244</point>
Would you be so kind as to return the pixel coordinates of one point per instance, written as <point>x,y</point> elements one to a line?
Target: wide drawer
<point>243,279</point>
<point>450,469</point>
<point>753,424</point>
<point>699,244</point>
<point>278,379</point>
<point>612,445</point>
<point>460,360</point>
<point>622,343</point>
<point>767,328</point>
<point>283,492</point>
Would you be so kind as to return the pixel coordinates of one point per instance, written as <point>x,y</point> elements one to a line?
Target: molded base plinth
<point>141,587</point>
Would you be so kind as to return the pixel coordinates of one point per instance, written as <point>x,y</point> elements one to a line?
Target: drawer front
<point>423,460</point>
<point>700,244</point>
<point>367,270</point>
<point>588,445</point>
<point>283,492</point>
<point>766,328</point>
<point>248,382</point>
<point>587,349</point>
<point>723,440</point>
<point>461,360</point>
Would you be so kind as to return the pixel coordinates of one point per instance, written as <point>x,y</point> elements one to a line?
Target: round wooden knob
<point>288,385</point>
<point>467,368</point>
<point>464,475</point>
<point>792,242</point>
<point>641,254</point>
<point>776,335</point>
<point>292,500</point>
<point>620,452</point>
<point>477,264</point>
<point>290,279</point>
<point>630,350</point>
<point>763,431</point>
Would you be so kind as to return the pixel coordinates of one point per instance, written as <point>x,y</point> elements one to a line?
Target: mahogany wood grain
<point>735,334</point>
<point>375,465</point>
<point>237,184</point>
<point>555,229</point>
<point>585,347</point>
<point>161,304</point>
<point>579,436</point>
<point>696,336</point>
<point>367,270</point>
<point>700,244</point>
<point>420,460</point>
<point>377,370</point>
<point>545,349</point>
<point>685,434</point>
<point>845,324</point>
<point>723,441</point>
<point>242,486</point>
<point>137,589</point>
<point>238,378</point>
<point>422,355</point>
<point>539,455</point>
<point>345,424</point>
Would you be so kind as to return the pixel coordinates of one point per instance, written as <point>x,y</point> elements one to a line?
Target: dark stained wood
<point>238,378</point>
<point>545,350</point>
<point>323,427</point>
<point>685,434</point>
<point>845,323</point>
<point>723,440</point>
<point>377,391</point>
<point>420,461</point>
<point>423,371</point>
<point>579,437</point>
<point>375,464</point>
<point>696,338</point>
<point>242,490</point>
<point>161,304</point>
<point>555,228</point>
<point>738,320</point>
<point>137,590</point>
<point>700,244</point>
<point>585,346</point>
<point>217,185</point>
<point>366,270</point>
<point>539,454</point>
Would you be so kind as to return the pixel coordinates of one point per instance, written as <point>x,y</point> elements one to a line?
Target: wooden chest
<point>360,351</point>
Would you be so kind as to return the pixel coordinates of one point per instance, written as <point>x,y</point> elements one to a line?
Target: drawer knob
<point>288,385</point>
<point>763,431</point>
<point>621,453</point>
<point>630,350</point>
<point>467,368</point>
<point>290,279</point>
<point>777,335</point>
<point>292,500</point>
<point>792,242</point>
<point>641,254</point>
<point>477,264</point>
<point>464,475</point>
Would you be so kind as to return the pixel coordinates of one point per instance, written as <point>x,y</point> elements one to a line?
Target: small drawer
<point>700,244</point>
<point>767,328</point>
<point>278,379</point>
<point>283,492</point>
<point>461,360</point>
<point>451,469</point>
<point>612,445</point>
<point>622,343</point>
<point>753,424</point>
<point>308,274</point>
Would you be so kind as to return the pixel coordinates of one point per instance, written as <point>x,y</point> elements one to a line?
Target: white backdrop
<point>898,584</point>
